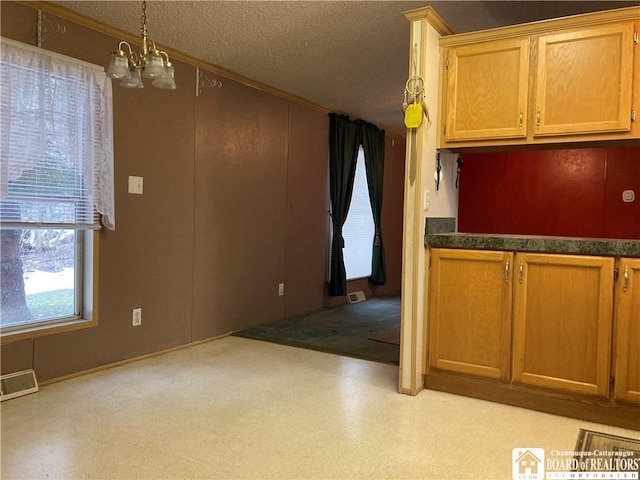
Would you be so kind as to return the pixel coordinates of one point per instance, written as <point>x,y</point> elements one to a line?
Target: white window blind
<point>358,229</point>
<point>57,140</point>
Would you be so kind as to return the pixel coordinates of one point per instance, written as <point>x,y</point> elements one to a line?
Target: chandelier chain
<point>143,19</point>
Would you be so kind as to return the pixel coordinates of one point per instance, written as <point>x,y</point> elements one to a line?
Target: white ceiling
<point>348,56</point>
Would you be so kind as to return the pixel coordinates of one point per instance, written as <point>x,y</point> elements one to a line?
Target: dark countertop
<point>532,243</point>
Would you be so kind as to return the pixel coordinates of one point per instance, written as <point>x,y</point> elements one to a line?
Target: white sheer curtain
<point>56,157</point>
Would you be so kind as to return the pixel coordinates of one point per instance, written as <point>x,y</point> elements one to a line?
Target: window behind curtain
<point>359,229</point>
<point>56,175</point>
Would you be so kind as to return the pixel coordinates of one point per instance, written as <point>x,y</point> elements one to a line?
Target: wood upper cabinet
<point>584,81</point>
<point>627,344</point>
<point>470,312</point>
<point>572,79</point>
<point>562,325</point>
<point>487,90</point>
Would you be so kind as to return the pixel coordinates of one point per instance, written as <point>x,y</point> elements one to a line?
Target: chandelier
<point>129,67</point>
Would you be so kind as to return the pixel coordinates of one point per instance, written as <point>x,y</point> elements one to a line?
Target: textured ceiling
<point>348,56</point>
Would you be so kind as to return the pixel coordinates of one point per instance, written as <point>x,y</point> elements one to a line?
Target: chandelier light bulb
<point>134,80</point>
<point>167,82</point>
<point>154,66</point>
<point>118,66</point>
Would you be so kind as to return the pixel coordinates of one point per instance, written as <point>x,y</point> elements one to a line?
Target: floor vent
<point>356,297</point>
<point>18,384</point>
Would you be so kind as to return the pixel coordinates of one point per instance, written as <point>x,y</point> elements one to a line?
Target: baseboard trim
<point>130,360</point>
<point>583,407</point>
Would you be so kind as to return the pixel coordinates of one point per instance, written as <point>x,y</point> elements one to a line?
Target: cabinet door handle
<point>521,271</point>
<point>538,116</point>
<point>625,276</point>
<point>520,119</point>
<point>506,271</point>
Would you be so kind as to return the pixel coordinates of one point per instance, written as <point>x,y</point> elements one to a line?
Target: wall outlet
<point>281,289</point>
<point>628,196</point>
<point>136,319</point>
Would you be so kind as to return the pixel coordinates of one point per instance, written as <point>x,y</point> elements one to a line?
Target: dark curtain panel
<point>344,140</point>
<point>373,145</point>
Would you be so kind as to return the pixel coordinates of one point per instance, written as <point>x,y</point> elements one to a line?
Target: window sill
<point>28,332</point>
<point>358,278</point>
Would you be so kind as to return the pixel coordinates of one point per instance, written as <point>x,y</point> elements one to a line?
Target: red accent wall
<point>572,192</point>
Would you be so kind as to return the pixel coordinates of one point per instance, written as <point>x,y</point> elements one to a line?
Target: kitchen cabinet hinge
<point>633,114</point>
<point>635,38</point>
<point>444,128</point>
<point>615,274</point>
<point>612,381</point>
<point>446,62</point>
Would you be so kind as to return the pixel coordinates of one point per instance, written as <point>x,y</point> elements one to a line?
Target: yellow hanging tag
<point>413,115</point>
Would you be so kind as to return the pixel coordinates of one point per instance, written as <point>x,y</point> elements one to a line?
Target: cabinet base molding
<point>592,409</point>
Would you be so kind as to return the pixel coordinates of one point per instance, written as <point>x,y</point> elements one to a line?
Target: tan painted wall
<point>235,201</point>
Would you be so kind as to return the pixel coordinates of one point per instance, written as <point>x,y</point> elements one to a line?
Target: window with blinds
<point>56,178</point>
<point>52,116</point>
<point>49,181</point>
<point>358,229</point>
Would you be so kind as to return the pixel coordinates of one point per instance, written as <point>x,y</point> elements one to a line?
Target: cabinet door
<point>584,81</point>
<point>627,363</point>
<point>562,322</point>
<point>487,90</point>
<point>470,312</point>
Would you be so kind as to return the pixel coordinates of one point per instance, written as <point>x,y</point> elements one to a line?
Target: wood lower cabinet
<point>537,331</point>
<point>627,355</point>
<point>562,323</point>
<point>470,312</point>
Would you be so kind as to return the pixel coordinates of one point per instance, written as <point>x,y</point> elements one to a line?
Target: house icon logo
<point>528,463</point>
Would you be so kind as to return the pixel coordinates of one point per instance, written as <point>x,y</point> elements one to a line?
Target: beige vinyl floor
<point>241,408</point>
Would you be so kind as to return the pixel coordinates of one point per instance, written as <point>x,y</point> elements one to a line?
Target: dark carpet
<point>364,330</point>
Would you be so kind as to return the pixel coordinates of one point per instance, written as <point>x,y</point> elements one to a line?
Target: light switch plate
<point>135,185</point>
